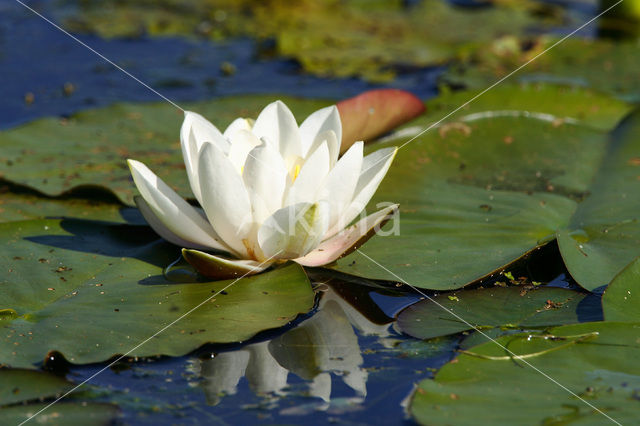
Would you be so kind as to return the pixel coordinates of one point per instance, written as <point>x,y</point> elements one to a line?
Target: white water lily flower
<point>269,191</point>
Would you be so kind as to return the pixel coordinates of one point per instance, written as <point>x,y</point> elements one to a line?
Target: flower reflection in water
<point>320,349</point>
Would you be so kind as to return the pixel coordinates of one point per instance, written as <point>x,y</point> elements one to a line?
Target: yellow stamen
<point>250,252</point>
<point>296,172</point>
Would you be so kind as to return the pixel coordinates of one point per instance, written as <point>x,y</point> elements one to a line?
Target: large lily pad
<point>328,38</point>
<point>604,232</point>
<point>606,66</point>
<point>556,102</point>
<point>91,290</point>
<point>621,299</point>
<point>97,143</point>
<point>23,390</point>
<point>512,307</point>
<point>596,361</point>
<point>16,206</point>
<point>475,196</point>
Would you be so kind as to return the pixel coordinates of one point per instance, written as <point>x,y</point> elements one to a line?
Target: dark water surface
<point>36,58</point>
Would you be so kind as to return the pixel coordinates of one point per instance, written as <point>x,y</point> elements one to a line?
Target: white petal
<point>265,177</point>
<point>175,214</point>
<point>348,240</point>
<point>293,231</point>
<point>374,168</point>
<point>340,184</point>
<point>195,131</point>
<point>224,197</point>
<point>309,181</point>
<point>320,121</point>
<point>235,126</point>
<point>221,268</point>
<point>328,138</point>
<point>162,230</point>
<point>241,144</point>
<point>277,124</point>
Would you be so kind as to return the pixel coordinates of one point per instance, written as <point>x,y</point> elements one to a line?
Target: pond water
<point>344,361</point>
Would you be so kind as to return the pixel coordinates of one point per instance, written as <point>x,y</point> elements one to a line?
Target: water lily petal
<point>374,168</point>
<point>168,210</point>
<point>309,181</point>
<point>326,138</point>
<point>195,131</point>
<point>265,177</point>
<point>221,268</point>
<point>349,239</point>
<point>242,143</point>
<point>224,197</point>
<point>180,240</point>
<point>340,184</point>
<point>323,120</point>
<point>235,126</point>
<point>277,124</point>
<point>294,230</point>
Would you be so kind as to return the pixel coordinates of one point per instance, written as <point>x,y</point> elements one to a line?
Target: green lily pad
<point>559,102</point>
<point>620,301</point>
<point>20,385</point>
<point>604,233</point>
<point>475,196</point>
<point>25,206</point>
<point>512,307</point>
<point>23,390</point>
<point>596,361</point>
<point>602,65</point>
<point>329,38</point>
<point>97,143</point>
<point>92,290</point>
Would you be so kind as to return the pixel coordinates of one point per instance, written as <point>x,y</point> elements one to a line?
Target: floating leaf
<point>502,186</point>
<point>374,113</point>
<point>546,101</point>
<point>91,290</point>
<point>621,299</point>
<point>602,65</point>
<point>97,143</point>
<point>24,206</point>
<point>20,385</point>
<point>328,38</point>
<point>488,383</point>
<point>23,390</point>
<point>604,232</point>
<point>513,307</point>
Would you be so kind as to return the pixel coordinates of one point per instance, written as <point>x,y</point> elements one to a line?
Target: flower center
<point>296,172</point>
